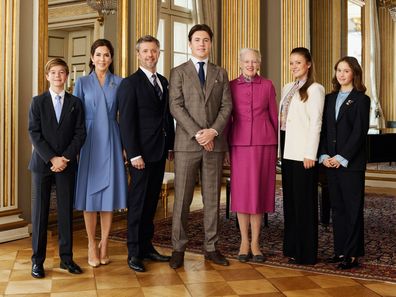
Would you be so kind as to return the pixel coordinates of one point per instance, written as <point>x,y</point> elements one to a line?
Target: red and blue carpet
<point>380,235</point>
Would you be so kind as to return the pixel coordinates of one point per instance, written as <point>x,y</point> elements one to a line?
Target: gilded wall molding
<point>43,45</point>
<point>387,93</point>
<point>295,32</point>
<point>240,29</point>
<point>123,37</point>
<point>326,38</point>
<point>9,40</point>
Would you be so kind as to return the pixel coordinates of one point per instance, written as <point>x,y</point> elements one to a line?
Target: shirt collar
<point>195,60</point>
<point>148,73</point>
<point>53,94</point>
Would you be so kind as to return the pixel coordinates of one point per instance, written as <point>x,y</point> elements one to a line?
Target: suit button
<point>334,141</point>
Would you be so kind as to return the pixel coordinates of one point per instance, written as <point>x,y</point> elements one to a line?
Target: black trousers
<point>41,192</point>
<point>346,189</point>
<point>143,198</point>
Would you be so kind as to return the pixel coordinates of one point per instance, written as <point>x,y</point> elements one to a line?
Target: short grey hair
<point>245,50</point>
<point>147,38</point>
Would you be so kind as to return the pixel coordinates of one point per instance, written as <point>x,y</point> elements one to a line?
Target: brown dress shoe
<point>176,260</point>
<point>217,258</point>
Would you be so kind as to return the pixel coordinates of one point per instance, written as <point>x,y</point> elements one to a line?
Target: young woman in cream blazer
<point>301,109</point>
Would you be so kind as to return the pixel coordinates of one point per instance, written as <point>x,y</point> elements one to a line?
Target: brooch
<point>349,102</point>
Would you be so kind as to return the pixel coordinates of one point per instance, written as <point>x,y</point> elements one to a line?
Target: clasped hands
<point>331,163</point>
<point>205,138</point>
<point>58,163</point>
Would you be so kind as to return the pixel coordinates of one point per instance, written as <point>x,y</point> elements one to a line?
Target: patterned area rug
<point>380,234</point>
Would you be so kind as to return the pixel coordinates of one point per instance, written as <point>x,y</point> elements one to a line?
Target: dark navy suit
<point>50,139</point>
<point>346,136</point>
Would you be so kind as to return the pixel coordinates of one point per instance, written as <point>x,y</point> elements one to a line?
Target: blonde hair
<point>56,62</point>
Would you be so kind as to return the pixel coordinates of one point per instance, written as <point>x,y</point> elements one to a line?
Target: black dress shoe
<point>71,267</point>
<point>259,258</point>
<point>348,263</point>
<point>38,270</point>
<point>136,264</point>
<point>155,256</point>
<point>176,260</point>
<point>335,259</point>
<point>217,258</point>
<point>243,258</point>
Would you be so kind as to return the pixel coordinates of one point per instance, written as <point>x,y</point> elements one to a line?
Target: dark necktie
<point>156,87</point>
<point>201,73</point>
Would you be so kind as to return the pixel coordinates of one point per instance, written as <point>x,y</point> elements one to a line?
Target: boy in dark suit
<point>57,132</point>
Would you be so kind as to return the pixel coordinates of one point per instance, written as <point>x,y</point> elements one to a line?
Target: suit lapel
<point>50,106</point>
<point>149,85</point>
<point>193,75</point>
<point>65,107</point>
<point>345,105</point>
<point>210,79</point>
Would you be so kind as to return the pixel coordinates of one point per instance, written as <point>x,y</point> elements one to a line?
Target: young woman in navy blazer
<point>342,152</point>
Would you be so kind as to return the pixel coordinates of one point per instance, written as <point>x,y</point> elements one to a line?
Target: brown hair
<point>56,62</point>
<point>95,45</point>
<point>200,27</point>
<point>302,51</point>
<point>147,38</point>
<point>356,71</point>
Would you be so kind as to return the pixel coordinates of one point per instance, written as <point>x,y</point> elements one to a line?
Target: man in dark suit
<point>57,132</point>
<point>147,134</point>
<point>200,101</point>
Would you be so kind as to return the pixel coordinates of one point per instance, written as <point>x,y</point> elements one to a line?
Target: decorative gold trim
<point>9,40</point>
<point>295,32</point>
<point>240,28</point>
<point>43,44</point>
<point>123,34</point>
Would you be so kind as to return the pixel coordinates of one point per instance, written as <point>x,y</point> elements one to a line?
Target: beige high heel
<point>93,260</point>
<point>103,260</point>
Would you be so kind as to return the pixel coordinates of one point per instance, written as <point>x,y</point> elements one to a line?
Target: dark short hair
<point>356,71</point>
<point>56,62</point>
<point>94,46</point>
<point>146,38</point>
<point>200,27</point>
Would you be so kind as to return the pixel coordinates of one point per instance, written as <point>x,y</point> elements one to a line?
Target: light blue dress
<point>101,181</point>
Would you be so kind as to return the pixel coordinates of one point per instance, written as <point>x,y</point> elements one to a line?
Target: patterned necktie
<point>156,87</point>
<point>58,107</point>
<point>201,73</point>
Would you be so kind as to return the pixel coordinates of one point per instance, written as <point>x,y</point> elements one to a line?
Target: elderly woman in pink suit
<point>252,138</point>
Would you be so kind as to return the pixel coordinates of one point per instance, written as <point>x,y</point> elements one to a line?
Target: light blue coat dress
<point>101,181</point>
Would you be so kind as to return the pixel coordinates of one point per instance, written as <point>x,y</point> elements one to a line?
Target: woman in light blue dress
<point>101,182</point>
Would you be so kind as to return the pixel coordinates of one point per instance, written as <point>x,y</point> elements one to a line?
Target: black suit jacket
<point>146,125</point>
<point>51,139</point>
<point>346,135</point>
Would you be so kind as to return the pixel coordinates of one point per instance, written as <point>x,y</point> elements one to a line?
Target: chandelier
<point>392,11</point>
<point>103,7</point>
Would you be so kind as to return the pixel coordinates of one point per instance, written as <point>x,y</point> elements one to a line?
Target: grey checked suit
<point>195,108</point>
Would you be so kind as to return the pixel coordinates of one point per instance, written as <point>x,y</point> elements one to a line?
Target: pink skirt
<point>253,172</point>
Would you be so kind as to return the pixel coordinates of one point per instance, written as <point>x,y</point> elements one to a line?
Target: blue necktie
<point>156,87</point>
<point>58,107</point>
<point>201,73</point>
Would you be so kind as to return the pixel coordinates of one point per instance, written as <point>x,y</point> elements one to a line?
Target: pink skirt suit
<point>252,136</point>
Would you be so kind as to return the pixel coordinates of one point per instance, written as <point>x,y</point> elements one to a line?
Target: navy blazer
<point>346,135</point>
<point>146,125</point>
<point>50,138</point>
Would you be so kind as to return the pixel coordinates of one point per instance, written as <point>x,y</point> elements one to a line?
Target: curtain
<point>207,12</point>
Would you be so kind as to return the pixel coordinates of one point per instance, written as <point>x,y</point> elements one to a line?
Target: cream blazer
<point>303,123</point>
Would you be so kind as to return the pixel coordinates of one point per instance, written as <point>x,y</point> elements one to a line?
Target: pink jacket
<point>254,118</point>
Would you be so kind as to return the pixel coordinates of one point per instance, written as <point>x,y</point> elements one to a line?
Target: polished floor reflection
<point>196,278</point>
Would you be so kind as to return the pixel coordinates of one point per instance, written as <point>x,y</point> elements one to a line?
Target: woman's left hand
<point>308,163</point>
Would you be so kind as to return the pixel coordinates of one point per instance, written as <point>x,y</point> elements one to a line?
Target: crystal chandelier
<point>103,7</point>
